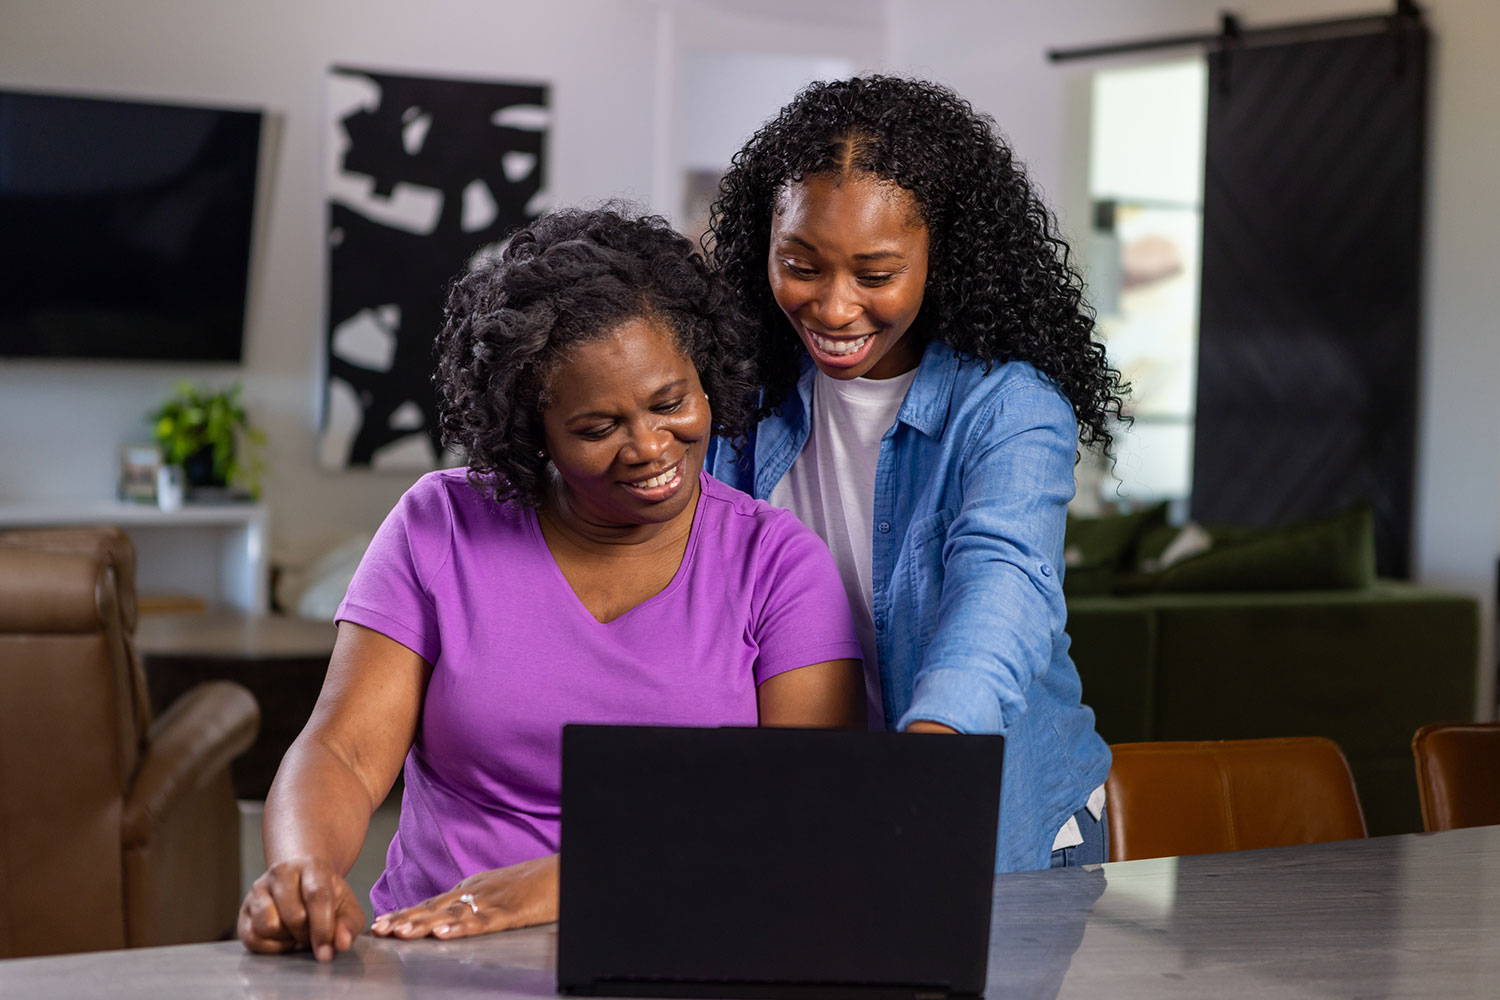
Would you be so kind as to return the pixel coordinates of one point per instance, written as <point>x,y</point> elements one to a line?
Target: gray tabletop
<point>1410,916</point>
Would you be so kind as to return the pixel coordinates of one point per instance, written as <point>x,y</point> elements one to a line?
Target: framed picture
<point>139,464</point>
<point>422,173</point>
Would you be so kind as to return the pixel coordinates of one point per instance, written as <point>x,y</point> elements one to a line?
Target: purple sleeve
<point>802,614</point>
<point>389,592</point>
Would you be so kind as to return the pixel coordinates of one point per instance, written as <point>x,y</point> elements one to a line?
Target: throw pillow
<point>1332,553</point>
<point>1097,548</point>
<point>1193,539</point>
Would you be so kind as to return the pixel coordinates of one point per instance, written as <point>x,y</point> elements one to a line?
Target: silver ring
<point>468,898</point>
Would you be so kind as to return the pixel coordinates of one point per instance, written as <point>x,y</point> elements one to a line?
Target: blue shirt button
<point>884,526</point>
<point>880,621</point>
<point>1046,570</point>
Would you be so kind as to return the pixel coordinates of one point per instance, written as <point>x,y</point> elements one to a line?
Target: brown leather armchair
<point>116,830</point>
<point>1458,774</point>
<point>1202,797</point>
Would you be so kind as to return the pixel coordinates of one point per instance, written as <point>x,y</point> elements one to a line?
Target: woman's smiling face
<point>626,427</point>
<point>848,266</point>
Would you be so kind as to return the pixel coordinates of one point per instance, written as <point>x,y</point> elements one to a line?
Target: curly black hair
<point>1000,284</point>
<point>569,278</point>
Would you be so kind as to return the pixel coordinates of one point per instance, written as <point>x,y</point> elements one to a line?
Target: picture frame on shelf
<point>140,464</point>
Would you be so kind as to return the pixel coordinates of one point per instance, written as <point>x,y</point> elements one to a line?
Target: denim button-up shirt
<point>971,491</point>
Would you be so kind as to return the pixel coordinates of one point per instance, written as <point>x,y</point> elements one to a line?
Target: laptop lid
<point>743,862</point>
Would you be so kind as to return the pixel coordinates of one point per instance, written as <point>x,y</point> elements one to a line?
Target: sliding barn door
<point>1308,349</point>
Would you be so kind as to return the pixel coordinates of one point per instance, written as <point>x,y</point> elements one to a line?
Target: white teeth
<point>839,346</point>
<point>655,481</point>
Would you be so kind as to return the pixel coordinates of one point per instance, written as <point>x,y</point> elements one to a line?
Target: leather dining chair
<point>1458,774</point>
<point>116,829</point>
<point>1178,798</point>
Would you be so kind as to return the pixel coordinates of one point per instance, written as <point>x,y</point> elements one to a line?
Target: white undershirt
<point>831,489</point>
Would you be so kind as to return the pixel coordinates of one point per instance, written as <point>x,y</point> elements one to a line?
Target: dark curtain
<point>1309,339</point>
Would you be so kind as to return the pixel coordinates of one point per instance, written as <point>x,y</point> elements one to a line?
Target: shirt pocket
<point>924,571</point>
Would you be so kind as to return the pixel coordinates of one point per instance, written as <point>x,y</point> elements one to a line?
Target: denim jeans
<point>1095,847</point>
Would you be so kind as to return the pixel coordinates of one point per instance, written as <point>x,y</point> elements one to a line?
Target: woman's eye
<point>595,433</point>
<point>875,279</point>
<point>671,407</point>
<point>798,269</point>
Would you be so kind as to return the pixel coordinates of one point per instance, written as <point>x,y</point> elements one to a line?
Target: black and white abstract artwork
<point>422,174</point>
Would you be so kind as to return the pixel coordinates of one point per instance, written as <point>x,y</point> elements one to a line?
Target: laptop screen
<point>744,862</point>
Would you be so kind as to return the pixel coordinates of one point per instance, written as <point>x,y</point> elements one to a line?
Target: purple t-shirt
<point>470,586</point>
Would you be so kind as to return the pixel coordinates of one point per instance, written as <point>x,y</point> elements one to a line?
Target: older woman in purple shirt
<point>583,568</point>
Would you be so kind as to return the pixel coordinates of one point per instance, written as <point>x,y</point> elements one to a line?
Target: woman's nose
<point>835,307</point>
<point>648,441</point>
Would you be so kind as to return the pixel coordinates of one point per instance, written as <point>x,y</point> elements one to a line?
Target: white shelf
<point>37,514</point>
<point>218,552</point>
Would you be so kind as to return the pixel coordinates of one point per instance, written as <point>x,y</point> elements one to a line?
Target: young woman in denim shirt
<point>929,371</point>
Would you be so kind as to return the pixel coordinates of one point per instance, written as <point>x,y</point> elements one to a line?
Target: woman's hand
<point>301,903</point>
<point>503,898</point>
<point>928,726</point>
<point>330,781</point>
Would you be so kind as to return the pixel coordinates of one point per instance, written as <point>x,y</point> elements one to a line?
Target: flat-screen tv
<point>125,228</point>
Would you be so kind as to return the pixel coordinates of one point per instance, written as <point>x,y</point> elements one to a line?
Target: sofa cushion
<point>1331,553</point>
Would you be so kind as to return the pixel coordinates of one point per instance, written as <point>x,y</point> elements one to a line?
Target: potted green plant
<point>209,434</point>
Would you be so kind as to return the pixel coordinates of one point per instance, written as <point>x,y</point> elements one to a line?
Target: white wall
<point>715,124</point>
<point>994,53</point>
<point>61,424</point>
<point>764,53</point>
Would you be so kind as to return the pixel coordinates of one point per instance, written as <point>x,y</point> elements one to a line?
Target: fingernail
<point>404,928</point>
<point>443,929</point>
<point>325,953</point>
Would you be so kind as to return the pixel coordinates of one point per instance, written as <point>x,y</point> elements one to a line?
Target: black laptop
<point>776,863</point>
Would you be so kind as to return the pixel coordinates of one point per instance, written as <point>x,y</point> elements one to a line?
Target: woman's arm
<point>1001,607</point>
<point>808,669</point>
<point>924,726</point>
<point>334,776</point>
<point>822,696</point>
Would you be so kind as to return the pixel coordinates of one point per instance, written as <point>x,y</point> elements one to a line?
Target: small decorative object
<point>138,467</point>
<point>171,486</point>
<point>208,433</point>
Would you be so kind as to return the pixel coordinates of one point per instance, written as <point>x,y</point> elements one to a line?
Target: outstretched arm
<point>1001,607</point>
<point>333,777</point>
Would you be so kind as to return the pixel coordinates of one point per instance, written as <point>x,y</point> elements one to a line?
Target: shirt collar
<point>931,394</point>
<point>927,401</point>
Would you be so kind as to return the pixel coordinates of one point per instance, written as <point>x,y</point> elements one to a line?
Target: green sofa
<point>1360,660</point>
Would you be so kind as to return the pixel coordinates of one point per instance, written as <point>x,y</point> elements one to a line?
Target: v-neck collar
<point>545,551</point>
